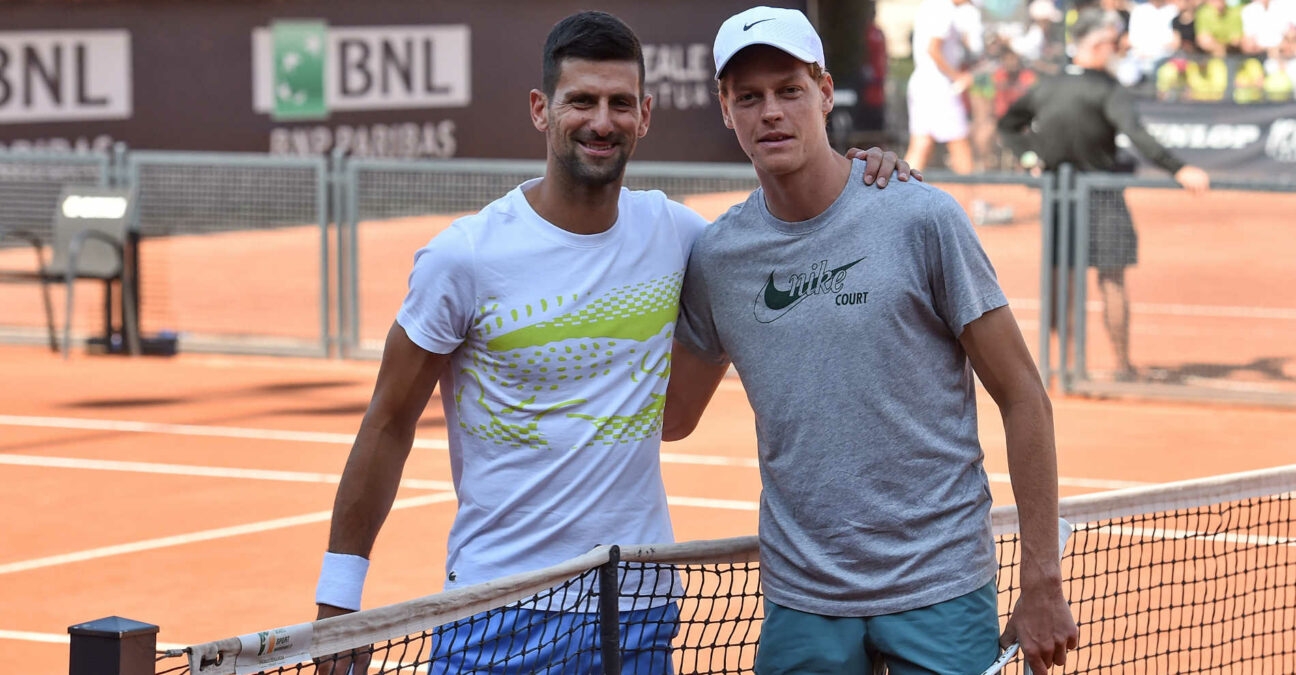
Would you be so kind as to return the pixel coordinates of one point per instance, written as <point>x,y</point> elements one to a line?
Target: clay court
<point>193,492</point>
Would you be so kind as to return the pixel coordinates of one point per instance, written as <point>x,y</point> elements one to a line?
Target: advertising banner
<point>382,78</point>
<point>1256,139</point>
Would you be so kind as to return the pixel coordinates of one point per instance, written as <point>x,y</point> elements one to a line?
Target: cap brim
<point>798,54</point>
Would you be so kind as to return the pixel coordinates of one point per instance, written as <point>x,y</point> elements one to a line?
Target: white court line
<point>126,426</point>
<point>347,439</point>
<point>423,484</point>
<point>701,502</point>
<point>59,638</point>
<point>283,523</point>
<point>204,471</point>
<point>709,460</point>
<point>1176,309</point>
<point>204,535</point>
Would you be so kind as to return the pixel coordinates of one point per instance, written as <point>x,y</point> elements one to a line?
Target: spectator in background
<point>873,72</point>
<point>1172,75</point>
<point>1185,26</point>
<point>1218,26</point>
<point>1122,11</point>
<point>1264,25</point>
<point>1012,79</point>
<point>1287,57</point>
<point>1151,38</point>
<point>1074,119</point>
<point>1032,45</point>
<point>937,112</point>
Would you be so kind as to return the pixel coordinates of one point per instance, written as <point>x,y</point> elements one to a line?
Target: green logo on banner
<point>300,48</point>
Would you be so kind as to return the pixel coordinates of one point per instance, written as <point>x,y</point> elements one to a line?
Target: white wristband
<point>341,580</point>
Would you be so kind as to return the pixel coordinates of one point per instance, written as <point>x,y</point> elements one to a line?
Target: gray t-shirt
<point>844,330</point>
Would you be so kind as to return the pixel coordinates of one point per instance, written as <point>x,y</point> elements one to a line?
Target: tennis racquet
<point>1064,533</point>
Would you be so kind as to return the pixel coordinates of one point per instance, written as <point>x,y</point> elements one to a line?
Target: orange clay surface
<point>193,492</point>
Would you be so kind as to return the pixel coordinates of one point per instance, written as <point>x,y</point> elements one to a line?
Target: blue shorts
<point>955,637</point>
<point>517,641</point>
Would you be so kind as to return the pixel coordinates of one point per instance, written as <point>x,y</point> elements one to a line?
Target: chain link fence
<point>234,250</point>
<point>30,185</point>
<point>1191,296</point>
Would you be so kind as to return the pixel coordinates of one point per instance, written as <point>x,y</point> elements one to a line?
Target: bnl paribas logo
<point>305,70</point>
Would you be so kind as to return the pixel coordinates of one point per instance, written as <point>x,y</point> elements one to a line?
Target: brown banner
<point>382,78</point>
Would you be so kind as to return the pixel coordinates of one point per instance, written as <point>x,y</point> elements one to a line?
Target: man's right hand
<point>354,663</point>
<point>1193,179</point>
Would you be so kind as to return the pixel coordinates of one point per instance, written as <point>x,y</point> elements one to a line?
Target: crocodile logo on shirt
<point>773,302</point>
<point>533,369</point>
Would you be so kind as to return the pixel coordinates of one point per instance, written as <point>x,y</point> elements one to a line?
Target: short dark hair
<point>592,35</point>
<point>1090,20</point>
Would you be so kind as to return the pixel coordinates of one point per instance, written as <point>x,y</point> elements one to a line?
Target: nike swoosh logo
<point>772,303</point>
<point>747,27</point>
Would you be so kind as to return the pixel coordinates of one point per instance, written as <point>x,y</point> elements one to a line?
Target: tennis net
<point>1191,577</point>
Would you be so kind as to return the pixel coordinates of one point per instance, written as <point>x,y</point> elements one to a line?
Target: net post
<point>112,646</point>
<point>609,612</point>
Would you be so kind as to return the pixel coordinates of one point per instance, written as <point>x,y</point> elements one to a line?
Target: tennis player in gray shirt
<point>856,320</point>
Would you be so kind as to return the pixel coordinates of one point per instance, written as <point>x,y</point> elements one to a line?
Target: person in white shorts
<point>937,112</point>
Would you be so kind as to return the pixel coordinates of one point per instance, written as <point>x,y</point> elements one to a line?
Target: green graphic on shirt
<point>635,312</point>
<point>603,338</point>
<point>617,428</point>
<point>497,430</point>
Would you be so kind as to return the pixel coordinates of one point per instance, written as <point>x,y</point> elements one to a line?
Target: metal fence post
<point>1048,211</point>
<point>1062,275</point>
<point>1083,196</point>
<point>116,174</point>
<point>349,242</point>
<point>112,646</point>
<point>337,205</point>
<point>610,612</point>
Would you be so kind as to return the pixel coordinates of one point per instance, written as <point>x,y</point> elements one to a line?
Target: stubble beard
<point>588,173</point>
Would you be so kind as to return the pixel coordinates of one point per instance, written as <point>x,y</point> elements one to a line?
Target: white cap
<point>785,29</point>
<point>1044,10</point>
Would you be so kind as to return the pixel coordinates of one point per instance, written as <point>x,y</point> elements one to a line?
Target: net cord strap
<point>1129,502</point>
<point>609,613</point>
<point>361,629</point>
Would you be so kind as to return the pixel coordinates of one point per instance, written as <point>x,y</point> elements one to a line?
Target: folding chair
<point>87,245</point>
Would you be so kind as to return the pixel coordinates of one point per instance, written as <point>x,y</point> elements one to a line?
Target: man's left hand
<point>879,165</point>
<point>1042,623</point>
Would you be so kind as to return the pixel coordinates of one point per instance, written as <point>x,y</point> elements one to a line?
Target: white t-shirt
<point>937,20</point>
<point>1267,25</point>
<point>1151,33</point>
<point>554,394</point>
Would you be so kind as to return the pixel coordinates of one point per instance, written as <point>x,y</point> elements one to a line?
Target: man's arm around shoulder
<point>1042,620</point>
<point>365,494</point>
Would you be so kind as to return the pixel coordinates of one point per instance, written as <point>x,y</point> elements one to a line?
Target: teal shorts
<point>955,637</point>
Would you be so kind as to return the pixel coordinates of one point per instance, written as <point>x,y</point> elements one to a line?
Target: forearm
<point>1032,466</point>
<point>1016,122</point>
<point>1123,113</point>
<point>693,382</point>
<point>368,487</point>
<point>938,57</point>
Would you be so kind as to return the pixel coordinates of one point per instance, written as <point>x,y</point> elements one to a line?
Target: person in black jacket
<point>1074,118</point>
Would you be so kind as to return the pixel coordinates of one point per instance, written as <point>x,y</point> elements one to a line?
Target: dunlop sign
<point>56,76</point>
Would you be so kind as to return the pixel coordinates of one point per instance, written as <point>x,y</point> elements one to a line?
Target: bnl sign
<point>64,75</point>
<point>307,69</point>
